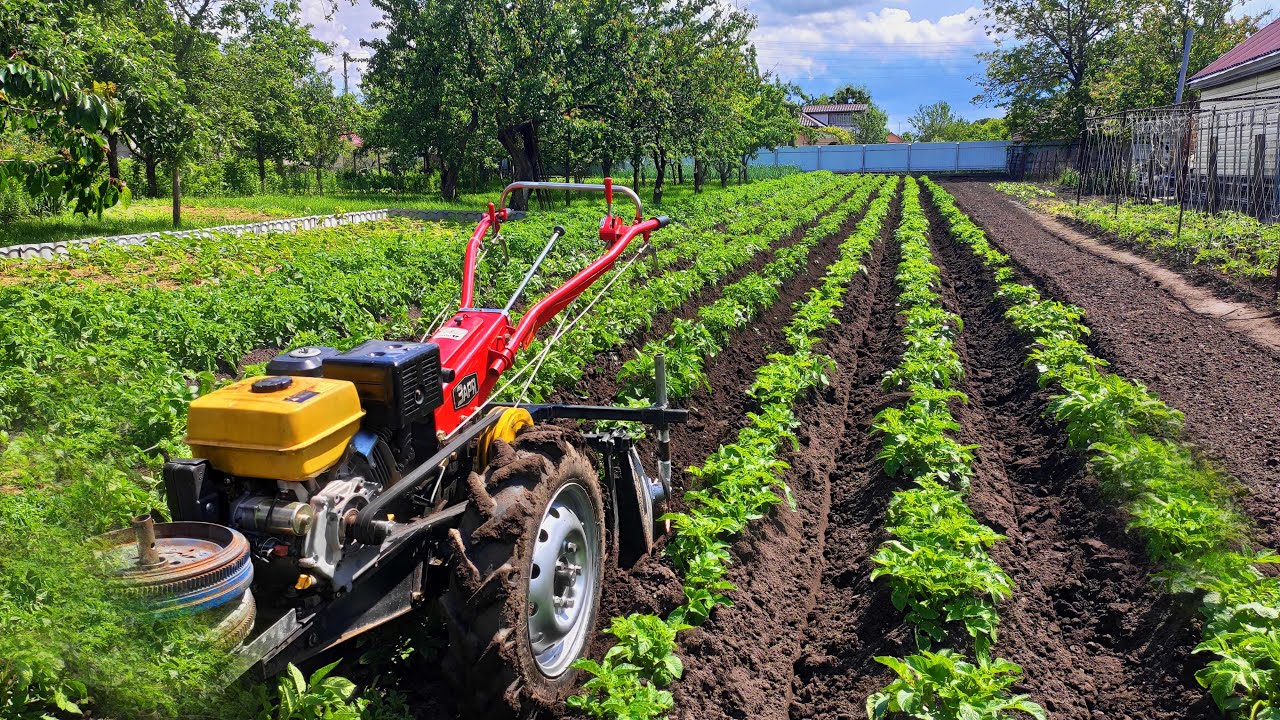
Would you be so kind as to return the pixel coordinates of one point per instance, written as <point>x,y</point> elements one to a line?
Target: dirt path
<point>1225,383</point>
<point>1094,635</point>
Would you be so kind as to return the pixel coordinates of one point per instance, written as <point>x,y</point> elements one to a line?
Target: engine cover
<point>275,427</point>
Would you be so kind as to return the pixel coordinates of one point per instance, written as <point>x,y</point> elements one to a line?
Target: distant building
<point>1252,67</point>
<point>839,116</point>
<point>893,138</point>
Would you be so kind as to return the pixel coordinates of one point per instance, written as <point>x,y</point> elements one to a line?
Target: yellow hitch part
<point>512,420</point>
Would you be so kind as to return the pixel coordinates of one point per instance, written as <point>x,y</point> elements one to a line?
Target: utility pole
<point>1186,55</point>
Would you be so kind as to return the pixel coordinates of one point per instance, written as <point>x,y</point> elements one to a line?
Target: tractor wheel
<point>525,588</point>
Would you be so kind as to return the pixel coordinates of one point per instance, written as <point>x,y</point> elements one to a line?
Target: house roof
<point>1260,51</point>
<point>843,107</point>
<point>807,120</point>
<point>893,138</point>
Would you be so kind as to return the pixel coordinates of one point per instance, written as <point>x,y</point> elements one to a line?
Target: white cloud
<point>340,37</point>
<point>807,44</point>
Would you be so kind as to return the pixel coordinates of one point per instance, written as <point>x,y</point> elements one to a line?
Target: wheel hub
<point>562,580</point>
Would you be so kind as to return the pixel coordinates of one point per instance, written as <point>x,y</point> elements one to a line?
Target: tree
<point>328,116</point>
<point>936,122</point>
<point>272,61</point>
<point>49,95</point>
<point>1054,59</point>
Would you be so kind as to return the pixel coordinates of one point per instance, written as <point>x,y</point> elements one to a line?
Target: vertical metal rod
<point>1186,55</point>
<point>556,234</point>
<point>144,529</point>
<point>664,429</point>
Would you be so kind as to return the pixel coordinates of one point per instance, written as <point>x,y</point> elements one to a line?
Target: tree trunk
<point>680,172</point>
<point>426,165</point>
<point>177,196</point>
<point>637,163</point>
<point>153,184</point>
<point>606,166</point>
<point>722,169</point>
<point>448,180</point>
<point>660,169</point>
<point>262,169</point>
<point>319,177</point>
<point>521,143</point>
<point>699,174</point>
<point>113,160</point>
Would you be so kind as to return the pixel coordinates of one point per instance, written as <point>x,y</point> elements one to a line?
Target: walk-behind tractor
<point>345,489</point>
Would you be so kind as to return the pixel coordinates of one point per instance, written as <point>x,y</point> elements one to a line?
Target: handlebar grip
<point>663,221</point>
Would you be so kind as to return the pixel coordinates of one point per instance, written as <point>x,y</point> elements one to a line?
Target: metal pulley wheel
<point>179,567</point>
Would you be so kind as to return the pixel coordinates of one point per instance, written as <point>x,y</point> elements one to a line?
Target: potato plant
<point>737,484</point>
<point>1180,506</point>
<point>936,562</point>
<point>1231,242</point>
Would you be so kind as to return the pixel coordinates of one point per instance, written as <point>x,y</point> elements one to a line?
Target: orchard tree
<point>1054,59</point>
<point>1046,53</point>
<point>272,60</point>
<point>49,95</point>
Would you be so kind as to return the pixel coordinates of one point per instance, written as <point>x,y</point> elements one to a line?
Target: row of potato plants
<point>1182,507</point>
<point>692,343</point>
<point>737,484</point>
<point>936,562</point>
<point>96,370</point>
<point>1231,242</point>
<point>712,252</point>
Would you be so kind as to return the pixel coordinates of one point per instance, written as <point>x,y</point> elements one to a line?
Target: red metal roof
<point>1264,42</point>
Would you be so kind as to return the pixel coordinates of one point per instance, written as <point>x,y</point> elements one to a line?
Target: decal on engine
<point>451,333</point>
<point>301,397</point>
<point>465,391</point>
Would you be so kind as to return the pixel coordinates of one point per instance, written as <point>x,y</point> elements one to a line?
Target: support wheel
<point>525,589</point>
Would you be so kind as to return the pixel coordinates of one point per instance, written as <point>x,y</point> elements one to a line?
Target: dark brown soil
<point>850,619</point>
<point>1258,292</point>
<point>741,662</point>
<point>1226,384</point>
<point>1094,635</point>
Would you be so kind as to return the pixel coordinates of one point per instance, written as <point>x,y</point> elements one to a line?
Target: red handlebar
<point>546,308</point>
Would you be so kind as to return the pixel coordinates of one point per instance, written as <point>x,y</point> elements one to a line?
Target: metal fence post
<point>909,156</point>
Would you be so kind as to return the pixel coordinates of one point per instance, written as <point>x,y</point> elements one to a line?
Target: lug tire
<point>491,660</point>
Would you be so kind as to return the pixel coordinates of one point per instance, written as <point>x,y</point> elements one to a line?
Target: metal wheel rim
<point>562,579</point>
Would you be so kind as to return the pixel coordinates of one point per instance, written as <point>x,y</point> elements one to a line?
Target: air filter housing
<point>398,382</point>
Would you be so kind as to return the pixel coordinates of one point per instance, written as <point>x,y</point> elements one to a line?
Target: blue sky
<point>907,52</point>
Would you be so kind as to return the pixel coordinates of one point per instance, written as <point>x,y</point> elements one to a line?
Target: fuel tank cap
<point>272,384</point>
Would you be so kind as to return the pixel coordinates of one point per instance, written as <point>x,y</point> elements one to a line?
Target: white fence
<point>311,222</point>
<point>892,157</point>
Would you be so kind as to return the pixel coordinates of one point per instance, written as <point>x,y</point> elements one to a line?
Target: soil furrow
<point>1094,635</point>
<point>1225,384</point>
<point>851,619</point>
<point>739,664</point>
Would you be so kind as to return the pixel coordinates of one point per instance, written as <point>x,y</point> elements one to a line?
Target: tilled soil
<point>1094,635</point>
<point>1225,384</point>
<point>716,413</point>
<point>741,662</point>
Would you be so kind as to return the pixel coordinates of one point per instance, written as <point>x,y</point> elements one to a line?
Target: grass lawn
<point>152,215</point>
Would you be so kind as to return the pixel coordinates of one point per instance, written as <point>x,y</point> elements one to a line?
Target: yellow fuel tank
<point>280,428</point>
